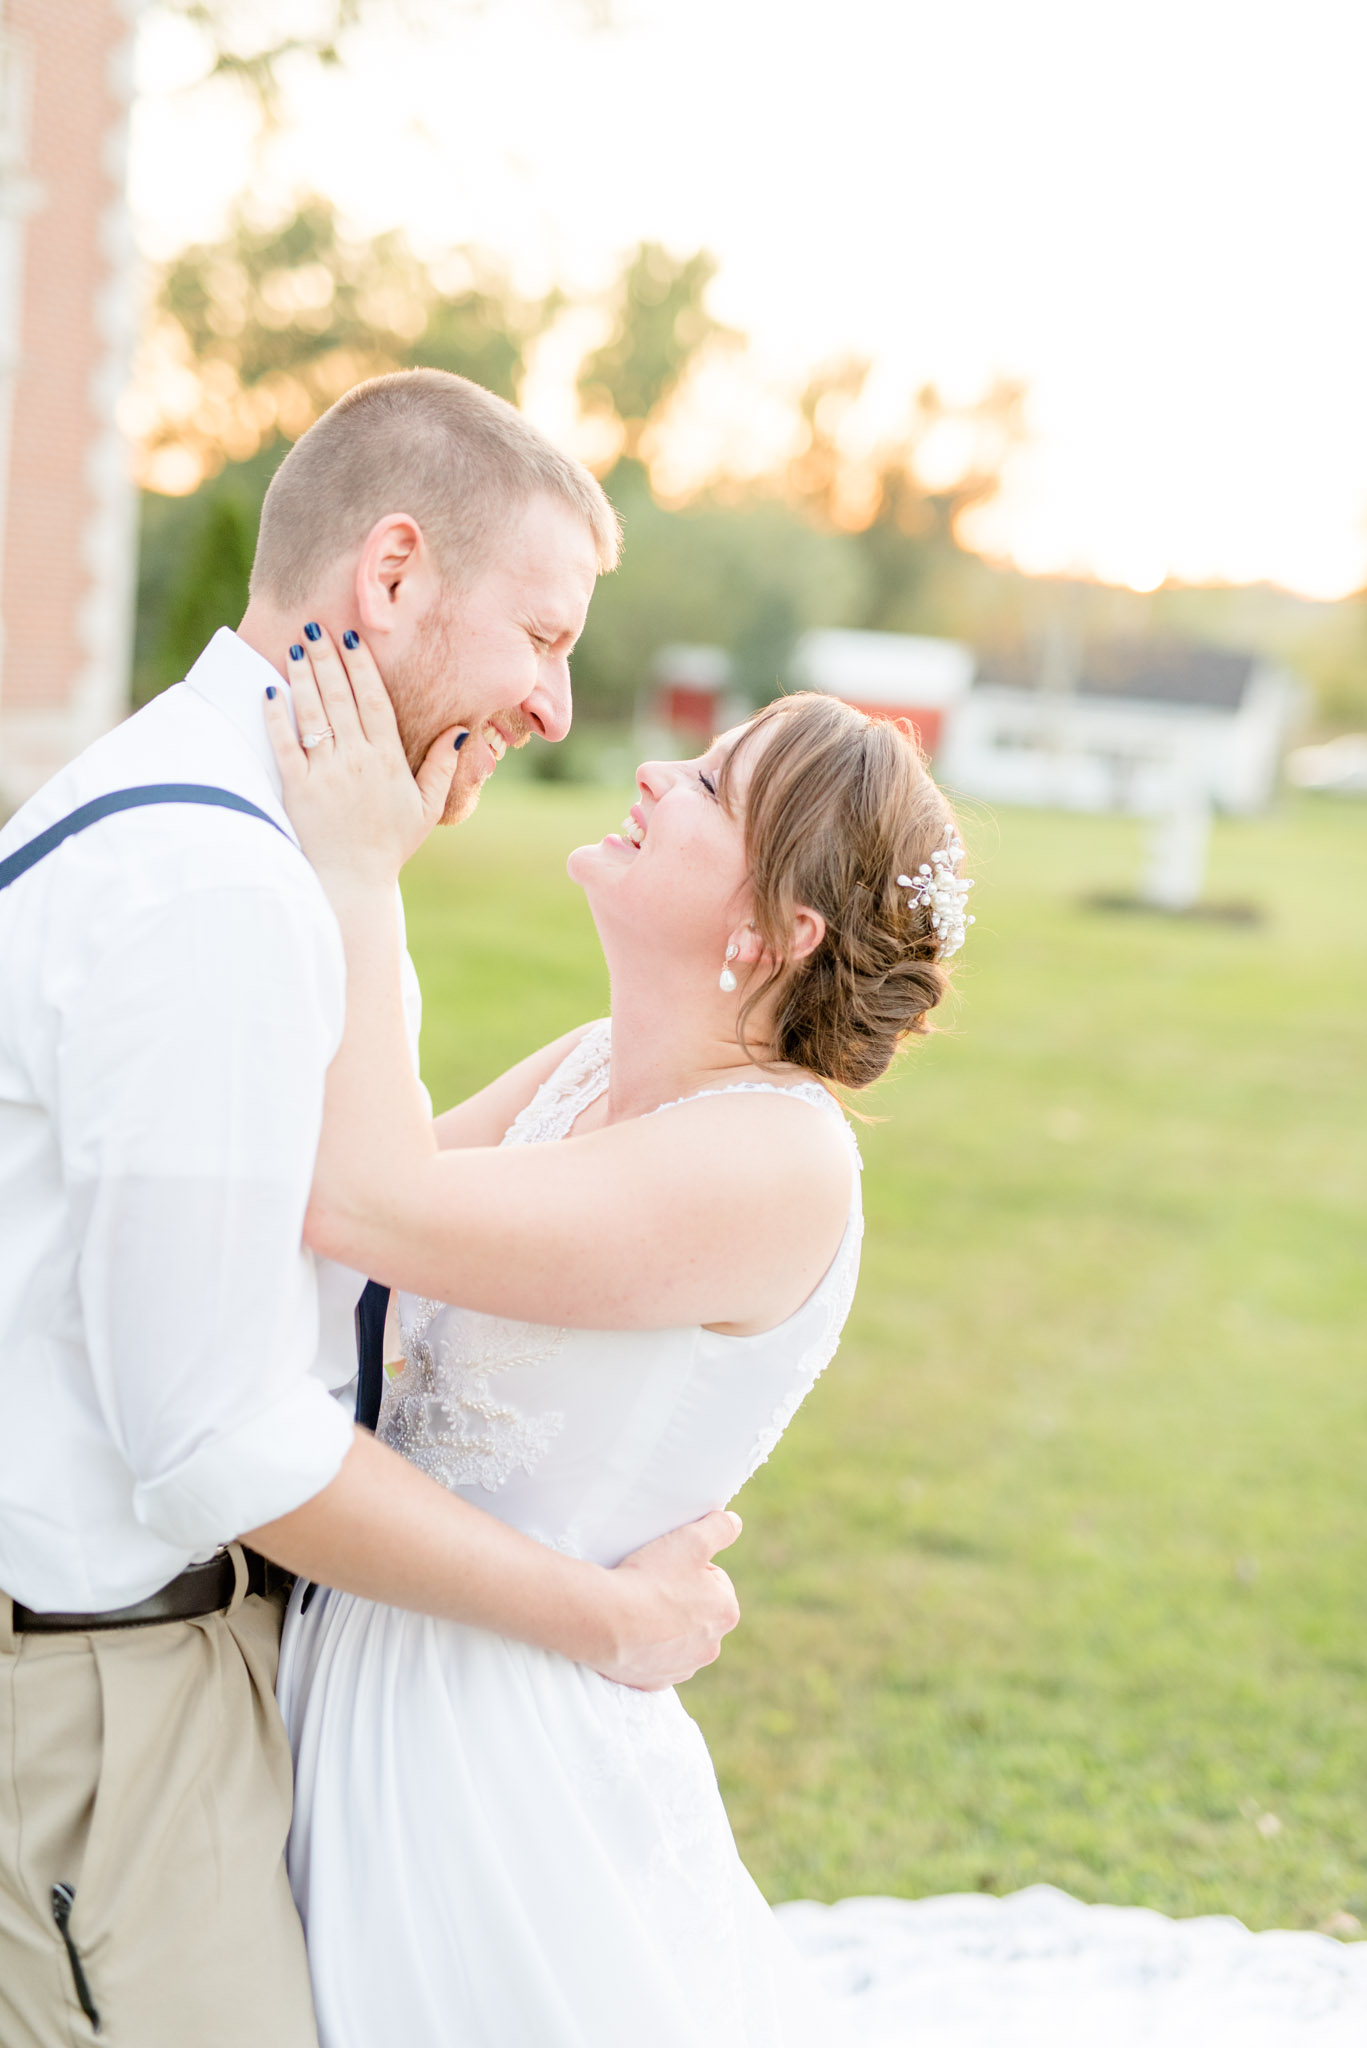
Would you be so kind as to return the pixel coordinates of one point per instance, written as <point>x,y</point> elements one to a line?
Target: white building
<point>889,675</point>
<point>1339,766</point>
<point>1144,727</point>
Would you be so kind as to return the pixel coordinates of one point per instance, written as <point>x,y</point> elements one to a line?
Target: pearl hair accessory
<point>936,887</point>
<point>727,983</point>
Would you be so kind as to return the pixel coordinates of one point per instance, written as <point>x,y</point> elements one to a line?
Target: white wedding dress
<point>495,1848</point>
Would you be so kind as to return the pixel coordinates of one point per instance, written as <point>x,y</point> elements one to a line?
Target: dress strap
<point>582,1076</point>
<point>805,1091</point>
<point>562,1097</point>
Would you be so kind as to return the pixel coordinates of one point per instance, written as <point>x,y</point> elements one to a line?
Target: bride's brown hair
<point>838,805</point>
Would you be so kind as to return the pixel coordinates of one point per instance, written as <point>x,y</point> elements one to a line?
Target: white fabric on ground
<point>1041,1970</point>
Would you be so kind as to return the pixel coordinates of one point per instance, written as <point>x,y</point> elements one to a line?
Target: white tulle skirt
<point>494,1848</point>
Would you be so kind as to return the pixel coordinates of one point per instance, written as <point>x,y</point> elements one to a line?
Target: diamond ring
<point>310,740</point>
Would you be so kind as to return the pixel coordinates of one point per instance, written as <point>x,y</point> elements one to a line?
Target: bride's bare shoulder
<point>483,1118</point>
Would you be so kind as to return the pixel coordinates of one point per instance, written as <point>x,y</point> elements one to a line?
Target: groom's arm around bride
<point>172,992</point>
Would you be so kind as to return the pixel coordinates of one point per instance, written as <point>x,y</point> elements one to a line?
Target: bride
<point>651,1230</point>
<point>623,1266</point>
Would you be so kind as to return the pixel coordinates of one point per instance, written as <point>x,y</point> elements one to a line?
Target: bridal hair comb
<point>937,888</point>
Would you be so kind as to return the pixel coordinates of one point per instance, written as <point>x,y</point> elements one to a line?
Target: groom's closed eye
<point>549,635</point>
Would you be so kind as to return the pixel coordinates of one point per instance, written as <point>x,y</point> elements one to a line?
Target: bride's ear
<point>809,929</point>
<point>748,944</point>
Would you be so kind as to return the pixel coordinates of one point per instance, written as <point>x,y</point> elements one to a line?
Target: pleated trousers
<point>148,1770</point>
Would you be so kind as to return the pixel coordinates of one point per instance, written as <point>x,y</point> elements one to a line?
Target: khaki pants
<point>148,1769</point>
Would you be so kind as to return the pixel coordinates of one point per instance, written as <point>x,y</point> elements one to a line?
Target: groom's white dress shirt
<point>172,988</point>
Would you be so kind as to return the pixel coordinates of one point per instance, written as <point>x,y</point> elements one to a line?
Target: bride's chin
<point>581,863</point>
<point>601,858</point>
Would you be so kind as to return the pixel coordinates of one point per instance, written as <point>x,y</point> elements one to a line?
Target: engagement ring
<point>315,739</point>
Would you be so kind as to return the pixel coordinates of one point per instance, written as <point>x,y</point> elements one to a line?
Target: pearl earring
<point>727,984</point>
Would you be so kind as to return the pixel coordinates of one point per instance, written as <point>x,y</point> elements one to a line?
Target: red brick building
<point>68,307</point>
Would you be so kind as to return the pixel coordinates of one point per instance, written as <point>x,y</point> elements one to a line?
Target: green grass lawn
<point>1061,1573</point>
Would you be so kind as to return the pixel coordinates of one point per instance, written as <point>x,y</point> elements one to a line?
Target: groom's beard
<point>469,779</point>
<point>420,688</point>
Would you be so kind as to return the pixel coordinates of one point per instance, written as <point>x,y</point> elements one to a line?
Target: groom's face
<point>495,655</point>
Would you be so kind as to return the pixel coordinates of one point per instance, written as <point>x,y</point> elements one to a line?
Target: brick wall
<point>65,579</point>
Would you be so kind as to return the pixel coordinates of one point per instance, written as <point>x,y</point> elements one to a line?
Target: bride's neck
<point>666,1043</point>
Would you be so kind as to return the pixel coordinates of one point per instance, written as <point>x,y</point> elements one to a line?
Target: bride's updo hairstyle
<point>838,806</point>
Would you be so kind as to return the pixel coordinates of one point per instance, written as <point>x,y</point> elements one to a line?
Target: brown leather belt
<point>200,1589</point>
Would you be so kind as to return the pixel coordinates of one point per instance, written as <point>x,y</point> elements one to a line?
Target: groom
<point>171,993</point>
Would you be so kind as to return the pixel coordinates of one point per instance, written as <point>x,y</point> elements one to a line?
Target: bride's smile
<point>668,889</point>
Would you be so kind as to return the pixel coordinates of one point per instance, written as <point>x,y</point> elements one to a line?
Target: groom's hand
<point>675,1605</point>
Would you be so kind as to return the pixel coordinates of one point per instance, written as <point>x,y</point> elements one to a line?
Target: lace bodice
<point>595,1441</point>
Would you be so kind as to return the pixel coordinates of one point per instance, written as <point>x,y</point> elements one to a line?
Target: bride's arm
<point>483,1118</point>
<point>386,1531</point>
<point>726,1212</point>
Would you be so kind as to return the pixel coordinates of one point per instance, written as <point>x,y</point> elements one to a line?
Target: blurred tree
<point>906,526</point>
<point>213,590</point>
<point>819,474</point>
<point>747,575</point>
<point>258,332</point>
<point>272,323</point>
<point>264,329</point>
<point>767,628</point>
<point>660,327</point>
<point>246,42</point>
<point>194,559</point>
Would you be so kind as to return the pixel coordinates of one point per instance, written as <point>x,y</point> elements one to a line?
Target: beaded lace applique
<point>560,1101</point>
<point>444,1412</point>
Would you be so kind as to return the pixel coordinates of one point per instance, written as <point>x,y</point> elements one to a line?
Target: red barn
<point>693,692</point>
<point>888,675</point>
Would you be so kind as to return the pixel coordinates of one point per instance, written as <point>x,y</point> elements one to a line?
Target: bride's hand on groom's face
<point>677,1605</point>
<point>359,811</point>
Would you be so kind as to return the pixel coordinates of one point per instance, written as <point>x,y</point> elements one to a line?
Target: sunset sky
<point>1151,215</point>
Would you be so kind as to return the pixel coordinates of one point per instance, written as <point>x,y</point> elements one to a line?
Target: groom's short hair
<point>460,461</point>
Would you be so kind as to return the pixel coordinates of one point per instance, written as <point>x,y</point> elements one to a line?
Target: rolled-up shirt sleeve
<point>189,1078</point>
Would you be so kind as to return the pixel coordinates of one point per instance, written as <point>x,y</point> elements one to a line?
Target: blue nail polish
<point>461,738</point>
<point>350,639</point>
<point>271,690</point>
<point>312,632</point>
<point>296,652</point>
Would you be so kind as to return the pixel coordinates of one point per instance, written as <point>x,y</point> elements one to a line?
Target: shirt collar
<point>234,678</point>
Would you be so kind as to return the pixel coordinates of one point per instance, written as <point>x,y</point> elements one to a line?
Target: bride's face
<point>674,876</point>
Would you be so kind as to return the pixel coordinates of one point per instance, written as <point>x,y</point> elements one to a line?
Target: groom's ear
<point>394,581</point>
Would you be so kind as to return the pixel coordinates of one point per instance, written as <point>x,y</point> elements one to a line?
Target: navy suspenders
<point>126,800</point>
<point>370,1309</point>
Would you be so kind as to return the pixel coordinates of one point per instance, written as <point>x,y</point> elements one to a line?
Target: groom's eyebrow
<point>547,628</point>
